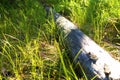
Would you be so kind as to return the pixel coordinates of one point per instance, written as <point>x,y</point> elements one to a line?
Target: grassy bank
<point>28,46</point>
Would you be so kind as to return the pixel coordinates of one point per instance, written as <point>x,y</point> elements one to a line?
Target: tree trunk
<point>94,60</point>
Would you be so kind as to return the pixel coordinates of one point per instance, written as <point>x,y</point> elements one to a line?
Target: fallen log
<point>94,59</point>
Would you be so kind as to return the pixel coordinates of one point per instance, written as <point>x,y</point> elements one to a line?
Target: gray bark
<point>94,59</point>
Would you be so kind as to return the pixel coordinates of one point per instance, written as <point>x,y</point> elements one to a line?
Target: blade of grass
<point>82,70</point>
<point>62,61</point>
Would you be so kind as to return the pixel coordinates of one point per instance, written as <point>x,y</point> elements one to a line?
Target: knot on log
<point>107,71</point>
<point>92,57</point>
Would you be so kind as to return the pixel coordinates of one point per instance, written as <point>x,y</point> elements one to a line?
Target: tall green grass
<point>92,16</point>
<point>28,44</point>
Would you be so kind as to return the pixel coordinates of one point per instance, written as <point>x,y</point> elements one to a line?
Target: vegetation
<point>29,44</point>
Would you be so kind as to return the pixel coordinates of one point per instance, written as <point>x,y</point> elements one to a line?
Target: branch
<point>94,59</point>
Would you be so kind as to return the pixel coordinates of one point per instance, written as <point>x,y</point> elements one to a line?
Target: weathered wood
<point>94,59</point>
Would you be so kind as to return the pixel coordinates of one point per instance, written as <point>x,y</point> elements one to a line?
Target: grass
<point>29,49</point>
